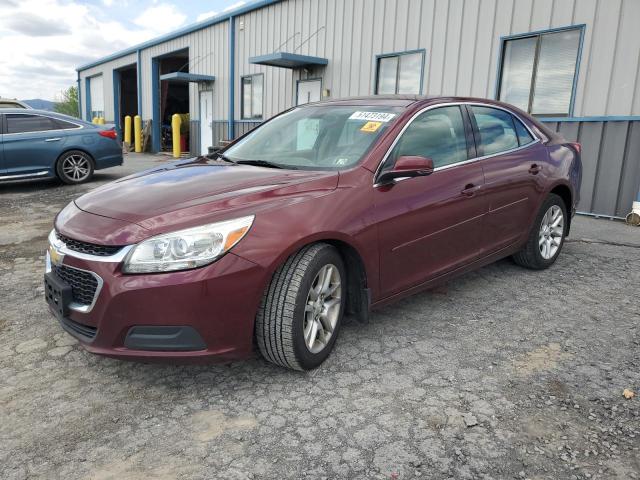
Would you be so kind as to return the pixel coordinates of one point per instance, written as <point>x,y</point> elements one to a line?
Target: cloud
<point>36,26</point>
<point>35,66</point>
<point>63,57</point>
<point>206,15</point>
<point>234,6</point>
<point>161,18</point>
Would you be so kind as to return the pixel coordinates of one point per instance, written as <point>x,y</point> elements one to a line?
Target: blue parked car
<point>40,144</point>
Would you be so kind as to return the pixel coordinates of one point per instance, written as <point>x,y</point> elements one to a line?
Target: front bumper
<point>194,315</point>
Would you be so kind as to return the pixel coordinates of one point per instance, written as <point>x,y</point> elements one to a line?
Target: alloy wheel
<point>551,231</point>
<point>322,308</point>
<point>76,167</point>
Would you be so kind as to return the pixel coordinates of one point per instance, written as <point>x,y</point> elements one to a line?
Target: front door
<point>206,121</point>
<point>309,91</point>
<point>430,225</point>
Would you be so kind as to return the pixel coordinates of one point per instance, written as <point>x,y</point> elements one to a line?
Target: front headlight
<point>186,249</point>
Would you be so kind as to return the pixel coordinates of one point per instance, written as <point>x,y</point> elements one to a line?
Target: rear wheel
<point>546,237</point>
<point>74,167</point>
<point>301,311</point>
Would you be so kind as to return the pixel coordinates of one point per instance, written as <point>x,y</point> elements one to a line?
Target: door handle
<point>53,139</point>
<point>470,190</point>
<point>535,169</point>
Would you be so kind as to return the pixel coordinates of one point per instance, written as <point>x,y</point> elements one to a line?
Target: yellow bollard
<point>137,132</point>
<point>175,130</point>
<point>101,120</point>
<point>127,129</point>
<point>94,120</point>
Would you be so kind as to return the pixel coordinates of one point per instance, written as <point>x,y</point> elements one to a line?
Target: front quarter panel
<point>343,215</point>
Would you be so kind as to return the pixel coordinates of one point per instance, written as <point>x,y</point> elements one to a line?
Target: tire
<point>539,252</point>
<point>74,167</point>
<point>288,310</point>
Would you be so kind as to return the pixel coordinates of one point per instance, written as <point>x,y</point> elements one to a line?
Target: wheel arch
<point>78,149</point>
<point>565,193</point>
<point>359,276</point>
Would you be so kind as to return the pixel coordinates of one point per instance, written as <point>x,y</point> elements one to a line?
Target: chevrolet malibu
<point>328,209</point>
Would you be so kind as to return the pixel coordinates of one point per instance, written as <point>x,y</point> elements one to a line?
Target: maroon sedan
<point>330,208</point>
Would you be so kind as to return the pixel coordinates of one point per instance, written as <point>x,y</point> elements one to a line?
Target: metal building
<point>573,63</point>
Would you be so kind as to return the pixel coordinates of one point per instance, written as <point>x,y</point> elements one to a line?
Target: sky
<point>43,41</point>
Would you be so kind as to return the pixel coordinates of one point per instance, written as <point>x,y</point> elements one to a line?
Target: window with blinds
<point>252,96</point>
<point>538,72</point>
<point>399,73</point>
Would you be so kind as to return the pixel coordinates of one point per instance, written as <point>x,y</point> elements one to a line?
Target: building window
<point>96,97</point>
<point>538,71</point>
<point>252,93</point>
<point>399,73</point>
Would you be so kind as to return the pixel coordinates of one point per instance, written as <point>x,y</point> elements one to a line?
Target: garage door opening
<point>126,83</point>
<point>172,97</point>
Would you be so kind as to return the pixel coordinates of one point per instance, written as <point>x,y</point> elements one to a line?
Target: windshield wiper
<point>260,163</point>
<point>223,157</point>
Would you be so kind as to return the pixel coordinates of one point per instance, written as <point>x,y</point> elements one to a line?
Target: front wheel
<point>301,311</point>
<point>74,167</point>
<point>546,237</point>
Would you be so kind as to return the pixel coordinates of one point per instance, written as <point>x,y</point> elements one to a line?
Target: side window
<point>19,123</point>
<point>497,131</point>
<point>524,137</point>
<point>437,134</point>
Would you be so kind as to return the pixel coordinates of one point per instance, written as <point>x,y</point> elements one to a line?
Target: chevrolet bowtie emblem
<point>55,256</point>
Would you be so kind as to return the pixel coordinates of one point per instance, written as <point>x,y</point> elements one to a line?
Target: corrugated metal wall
<point>611,164</point>
<point>106,69</point>
<point>461,39</point>
<point>208,55</point>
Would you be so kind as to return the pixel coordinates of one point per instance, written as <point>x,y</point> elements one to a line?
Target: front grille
<point>88,248</point>
<point>83,284</point>
<point>78,329</point>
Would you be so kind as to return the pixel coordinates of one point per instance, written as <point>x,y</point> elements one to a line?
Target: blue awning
<point>288,60</point>
<point>186,77</point>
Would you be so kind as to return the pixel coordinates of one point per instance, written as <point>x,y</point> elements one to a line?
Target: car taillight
<point>108,133</point>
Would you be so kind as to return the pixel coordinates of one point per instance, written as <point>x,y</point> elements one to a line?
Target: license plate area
<point>58,294</point>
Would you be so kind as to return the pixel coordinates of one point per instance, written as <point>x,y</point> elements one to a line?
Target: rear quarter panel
<point>106,152</point>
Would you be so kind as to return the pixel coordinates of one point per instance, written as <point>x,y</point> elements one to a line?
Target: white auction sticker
<point>372,116</point>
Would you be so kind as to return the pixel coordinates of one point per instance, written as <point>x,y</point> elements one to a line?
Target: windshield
<point>322,137</point>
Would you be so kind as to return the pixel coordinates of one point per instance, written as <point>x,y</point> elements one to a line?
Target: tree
<point>69,103</point>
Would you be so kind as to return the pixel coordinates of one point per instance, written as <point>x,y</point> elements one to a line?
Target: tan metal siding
<point>106,70</point>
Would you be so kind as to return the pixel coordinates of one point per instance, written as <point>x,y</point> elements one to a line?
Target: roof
<point>256,5</point>
<point>390,100</point>
<point>47,113</point>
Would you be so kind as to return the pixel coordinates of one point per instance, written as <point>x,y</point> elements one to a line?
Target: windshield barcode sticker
<point>372,116</point>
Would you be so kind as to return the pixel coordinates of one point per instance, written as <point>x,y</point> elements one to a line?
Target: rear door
<point>430,225</point>
<point>511,159</point>
<point>32,143</point>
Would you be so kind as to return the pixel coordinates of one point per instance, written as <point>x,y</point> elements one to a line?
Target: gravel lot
<point>503,373</point>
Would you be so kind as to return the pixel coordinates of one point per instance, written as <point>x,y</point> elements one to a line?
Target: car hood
<point>193,192</point>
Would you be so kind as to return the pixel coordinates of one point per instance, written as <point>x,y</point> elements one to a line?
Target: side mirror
<point>407,167</point>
